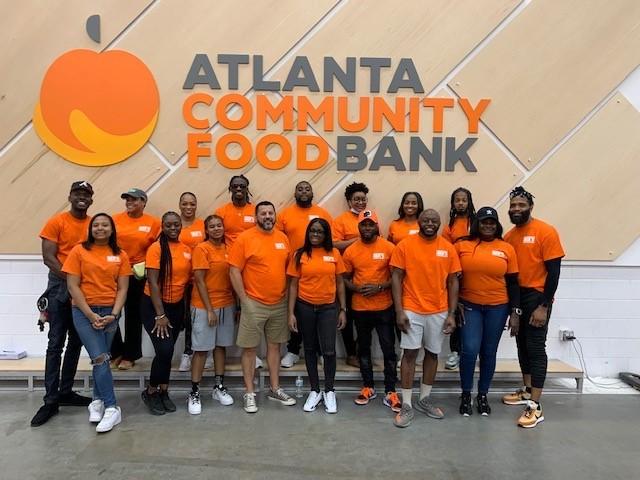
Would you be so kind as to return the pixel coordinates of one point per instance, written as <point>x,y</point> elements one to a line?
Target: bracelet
<point>342,309</point>
<point>380,288</point>
<point>160,317</point>
<point>116,315</point>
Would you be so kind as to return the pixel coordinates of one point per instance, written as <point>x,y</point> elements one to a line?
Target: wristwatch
<point>517,310</point>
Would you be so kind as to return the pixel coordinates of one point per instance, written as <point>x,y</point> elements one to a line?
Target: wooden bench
<point>28,373</point>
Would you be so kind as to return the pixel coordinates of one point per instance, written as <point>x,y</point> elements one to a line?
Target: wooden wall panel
<point>35,180</point>
<point>169,36</point>
<point>587,189</point>
<point>549,67</point>
<point>34,33</point>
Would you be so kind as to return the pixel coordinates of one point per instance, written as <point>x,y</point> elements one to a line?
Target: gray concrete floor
<point>584,437</point>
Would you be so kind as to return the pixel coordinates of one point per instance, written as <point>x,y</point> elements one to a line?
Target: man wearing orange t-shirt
<point>60,234</point>
<point>293,221</point>
<point>369,278</point>
<point>239,214</point>
<point>258,261</point>
<point>539,254</point>
<point>425,293</point>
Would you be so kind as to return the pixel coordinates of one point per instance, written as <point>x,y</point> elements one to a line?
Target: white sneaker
<point>185,363</point>
<point>259,363</point>
<point>250,405</point>
<point>112,417</point>
<point>220,394</point>
<point>195,408</point>
<point>313,400</point>
<point>289,360</point>
<point>208,363</point>
<point>330,402</point>
<point>96,411</point>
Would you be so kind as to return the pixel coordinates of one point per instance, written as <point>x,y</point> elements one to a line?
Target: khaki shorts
<point>257,318</point>
<point>424,331</point>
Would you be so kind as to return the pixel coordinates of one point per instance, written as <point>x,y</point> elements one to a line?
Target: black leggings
<point>131,348</point>
<point>531,340</point>
<point>161,365</point>
<point>318,325</point>
<point>348,337</point>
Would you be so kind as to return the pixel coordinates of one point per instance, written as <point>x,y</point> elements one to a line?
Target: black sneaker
<point>153,402</point>
<point>72,399</point>
<point>465,405</point>
<point>44,413</point>
<point>169,406</point>
<point>482,404</point>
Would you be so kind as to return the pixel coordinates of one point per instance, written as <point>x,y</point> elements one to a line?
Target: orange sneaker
<point>392,401</point>
<point>531,416</point>
<point>366,394</point>
<point>519,397</point>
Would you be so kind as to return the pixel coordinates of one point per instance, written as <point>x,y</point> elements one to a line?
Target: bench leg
<point>579,384</point>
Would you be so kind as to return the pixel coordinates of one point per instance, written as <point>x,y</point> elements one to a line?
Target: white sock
<point>406,396</point>
<point>425,390</point>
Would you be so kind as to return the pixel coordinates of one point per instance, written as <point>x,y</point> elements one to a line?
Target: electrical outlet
<point>566,335</point>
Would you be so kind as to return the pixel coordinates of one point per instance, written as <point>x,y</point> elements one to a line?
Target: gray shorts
<point>203,337</point>
<point>424,331</point>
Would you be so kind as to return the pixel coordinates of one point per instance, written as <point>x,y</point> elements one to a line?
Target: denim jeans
<point>480,334</point>
<point>57,382</point>
<point>97,342</point>
<point>384,324</point>
<point>318,325</point>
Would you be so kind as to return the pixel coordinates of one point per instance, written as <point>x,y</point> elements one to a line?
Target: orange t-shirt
<point>345,226</point>
<point>236,220</point>
<point>136,234</point>
<point>534,243</point>
<point>180,270</point>
<point>193,234</point>
<point>317,275</point>
<point>262,258</point>
<point>399,230</point>
<point>213,259</point>
<point>66,231</point>
<point>484,265</point>
<point>427,264</point>
<point>369,263</point>
<point>459,229</point>
<point>293,221</point>
<point>98,270</point>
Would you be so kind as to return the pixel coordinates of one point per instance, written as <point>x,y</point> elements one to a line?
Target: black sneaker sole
<point>152,410</point>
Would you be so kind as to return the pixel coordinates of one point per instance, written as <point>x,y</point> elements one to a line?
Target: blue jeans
<point>480,334</point>
<point>98,345</point>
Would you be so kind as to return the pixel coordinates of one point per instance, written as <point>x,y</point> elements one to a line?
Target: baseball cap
<point>367,215</point>
<point>487,212</point>
<point>81,185</point>
<point>135,193</point>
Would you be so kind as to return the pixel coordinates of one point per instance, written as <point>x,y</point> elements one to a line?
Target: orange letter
<point>343,115</point>
<point>195,150</point>
<point>245,150</point>
<point>473,114</point>
<point>284,109</point>
<point>438,105</point>
<point>246,112</point>
<point>303,163</point>
<point>306,109</point>
<point>381,109</point>
<point>187,110</point>
<point>414,114</point>
<point>261,151</point>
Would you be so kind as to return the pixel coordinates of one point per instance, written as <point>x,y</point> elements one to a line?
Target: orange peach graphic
<point>97,109</point>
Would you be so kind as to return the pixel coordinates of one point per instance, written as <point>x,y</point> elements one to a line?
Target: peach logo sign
<point>96,109</point>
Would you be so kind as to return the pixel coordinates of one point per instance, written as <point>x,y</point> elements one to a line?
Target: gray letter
<point>344,153</point>
<point>418,149</point>
<point>207,77</point>
<point>233,61</point>
<point>374,65</point>
<point>460,154</point>
<point>346,79</point>
<point>394,159</point>
<point>308,79</point>
<point>412,81</point>
<point>259,83</point>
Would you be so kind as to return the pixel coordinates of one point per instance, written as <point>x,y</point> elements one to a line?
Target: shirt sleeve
<point>152,259</point>
<point>340,266</point>
<point>551,246</point>
<point>280,222</point>
<point>454,265</point>
<point>446,234</point>
<point>337,230</point>
<point>398,257</point>
<point>293,270</point>
<point>51,230</point>
<point>236,254</point>
<point>199,260</point>
<point>512,259</point>
<point>346,259</point>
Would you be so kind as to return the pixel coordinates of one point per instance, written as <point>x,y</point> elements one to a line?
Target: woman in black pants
<point>316,280</point>
<point>168,265</point>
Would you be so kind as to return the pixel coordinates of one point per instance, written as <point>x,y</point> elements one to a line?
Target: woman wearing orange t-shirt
<point>97,277</point>
<point>489,293</point>
<point>168,264</point>
<point>316,280</point>
<point>411,206</point>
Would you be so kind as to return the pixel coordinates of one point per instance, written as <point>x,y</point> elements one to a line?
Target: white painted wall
<point>601,303</point>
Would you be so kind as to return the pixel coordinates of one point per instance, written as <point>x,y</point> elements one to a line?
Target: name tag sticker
<point>378,255</point>
<point>280,246</point>
<point>328,258</point>
<point>187,255</point>
<point>529,239</point>
<point>311,217</point>
<point>144,228</point>
<point>249,219</point>
<point>196,233</point>
<point>498,253</point>
<point>442,253</point>
<point>413,232</point>
<point>113,259</point>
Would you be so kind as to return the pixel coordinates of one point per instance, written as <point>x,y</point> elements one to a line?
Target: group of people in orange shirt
<point>298,277</point>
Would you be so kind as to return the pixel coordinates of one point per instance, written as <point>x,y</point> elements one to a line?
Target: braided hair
<point>519,191</point>
<point>248,193</point>
<point>471,210</point>
<point>166,263</point>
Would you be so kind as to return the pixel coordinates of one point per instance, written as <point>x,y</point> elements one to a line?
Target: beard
<point>304,203</point>
<point>520,219</point>
<point>267,224</point>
